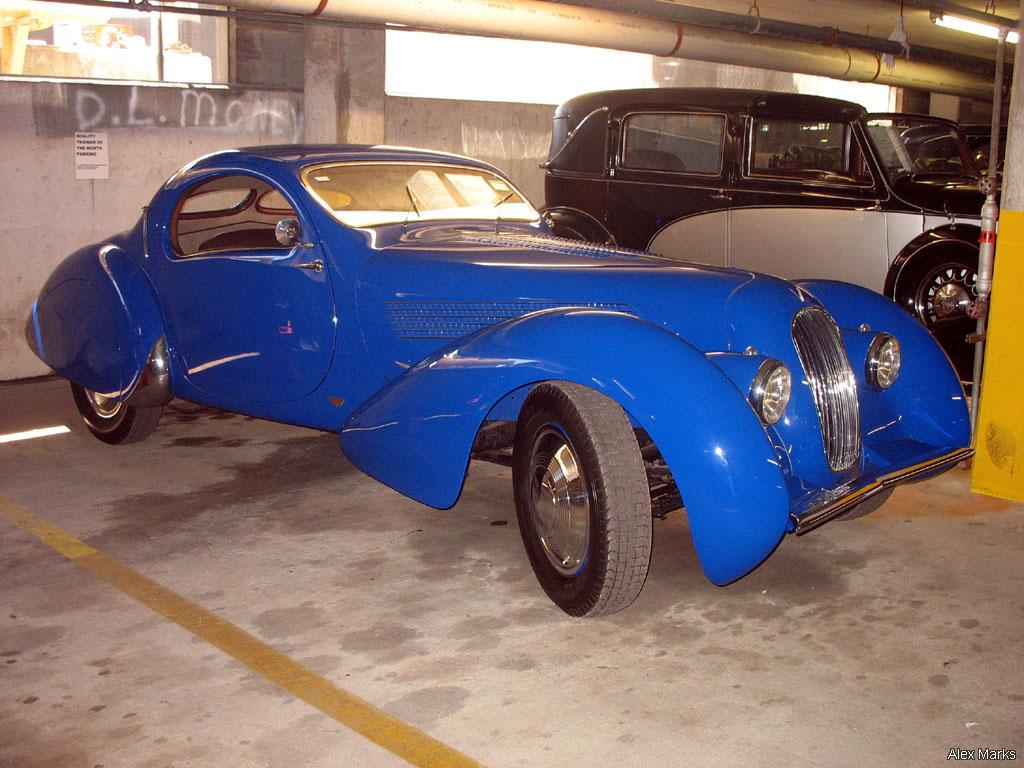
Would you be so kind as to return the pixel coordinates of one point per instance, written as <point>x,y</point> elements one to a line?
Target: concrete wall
<point>514,137</point>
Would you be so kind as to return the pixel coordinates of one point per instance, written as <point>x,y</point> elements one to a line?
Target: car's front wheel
<point>582,498</point>
<point>112,421</point>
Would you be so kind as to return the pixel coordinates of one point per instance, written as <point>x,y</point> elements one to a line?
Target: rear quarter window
<point>674,143</point>
<point>232,212</point>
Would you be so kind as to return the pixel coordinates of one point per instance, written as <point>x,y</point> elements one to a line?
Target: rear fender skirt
<point>415,435</point>
<point>96,321</point>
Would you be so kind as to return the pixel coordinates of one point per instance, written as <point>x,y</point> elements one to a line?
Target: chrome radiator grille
<point>824,359</point>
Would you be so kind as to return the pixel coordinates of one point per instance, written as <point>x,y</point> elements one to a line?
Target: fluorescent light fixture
<point>974,27</point>
<point>45,432</point>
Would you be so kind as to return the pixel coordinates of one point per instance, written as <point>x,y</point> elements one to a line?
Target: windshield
<point>915,146</point>
<point>370,194</point>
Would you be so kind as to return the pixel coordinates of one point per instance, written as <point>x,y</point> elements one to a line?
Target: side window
<point>674,143</point>
<point>228,213</point>
<point>806,150</point>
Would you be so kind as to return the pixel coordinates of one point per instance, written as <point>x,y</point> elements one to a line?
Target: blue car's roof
<point>293,157</point>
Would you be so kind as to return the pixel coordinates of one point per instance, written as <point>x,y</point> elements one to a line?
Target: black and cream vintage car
<point>794,185</point>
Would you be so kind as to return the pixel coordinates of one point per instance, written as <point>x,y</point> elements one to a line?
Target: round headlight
<point>770,391</point>
<point>883,363</point>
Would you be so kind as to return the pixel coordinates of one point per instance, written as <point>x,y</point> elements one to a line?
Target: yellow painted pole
<point>998,468</point>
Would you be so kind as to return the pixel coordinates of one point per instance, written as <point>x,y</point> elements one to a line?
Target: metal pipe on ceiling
<point>553,22</point>
<point>759,25</point>
<point>941,7</point>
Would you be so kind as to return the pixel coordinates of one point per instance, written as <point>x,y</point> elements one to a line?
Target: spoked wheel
<point>112,421</point>
<point>944,292</point>
<point>938,289</point>
<point>582,499</point>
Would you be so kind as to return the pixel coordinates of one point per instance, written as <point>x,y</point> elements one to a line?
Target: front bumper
<point>845,498</point>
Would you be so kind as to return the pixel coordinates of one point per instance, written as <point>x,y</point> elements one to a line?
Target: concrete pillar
<point>362,86</point>
<point>344,85</point>
<point>944,105</point>
<point>999,461</point>
<point>322,89</point>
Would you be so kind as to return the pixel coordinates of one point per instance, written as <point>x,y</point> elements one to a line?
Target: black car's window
<point>672,142</point>
<point>806,150</point>
<point>916,146</point>
<point>370,194</point>
<point>228,213</point>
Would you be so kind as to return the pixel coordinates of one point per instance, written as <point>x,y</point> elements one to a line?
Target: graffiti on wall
<point>71,107</point>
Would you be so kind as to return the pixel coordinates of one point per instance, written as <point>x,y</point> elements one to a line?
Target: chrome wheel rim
<point>105,407</point>
<point>561,504</point>
<point>946,293</point>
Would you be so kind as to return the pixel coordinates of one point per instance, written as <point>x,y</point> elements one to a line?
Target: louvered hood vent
<point>453,320</point>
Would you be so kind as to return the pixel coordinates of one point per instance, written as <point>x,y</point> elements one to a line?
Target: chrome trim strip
<point>812,518</point>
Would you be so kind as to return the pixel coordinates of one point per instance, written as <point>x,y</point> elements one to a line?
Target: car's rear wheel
<point>112,421</point>
<point>582,498</point>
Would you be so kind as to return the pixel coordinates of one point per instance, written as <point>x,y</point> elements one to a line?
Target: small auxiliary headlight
<point>770,390</point>
<point>883,363</point>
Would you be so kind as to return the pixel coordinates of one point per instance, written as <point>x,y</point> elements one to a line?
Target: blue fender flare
<point>416,434</point>
<point>96,321</point>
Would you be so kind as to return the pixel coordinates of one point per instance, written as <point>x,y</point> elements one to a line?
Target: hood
<point>424,288</point>
<point>940,194</point>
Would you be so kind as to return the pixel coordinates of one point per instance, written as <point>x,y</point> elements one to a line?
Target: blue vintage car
<point>418,305</point>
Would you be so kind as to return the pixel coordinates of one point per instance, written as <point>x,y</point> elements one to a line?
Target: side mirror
<point>288,232</point>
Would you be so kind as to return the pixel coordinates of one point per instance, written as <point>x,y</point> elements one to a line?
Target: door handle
<point>316,266</point>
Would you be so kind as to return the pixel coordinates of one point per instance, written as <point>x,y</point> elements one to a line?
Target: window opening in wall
<point>464,67</point>
<point>64,41</point>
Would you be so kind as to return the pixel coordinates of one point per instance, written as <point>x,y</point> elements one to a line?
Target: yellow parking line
<point>392,734</point>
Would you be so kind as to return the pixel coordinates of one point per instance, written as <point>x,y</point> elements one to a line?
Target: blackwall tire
<point>112,421</point>
<point>582,499</point>
<point>936,288</point>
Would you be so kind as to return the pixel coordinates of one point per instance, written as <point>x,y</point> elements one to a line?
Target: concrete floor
<point>887,640</point>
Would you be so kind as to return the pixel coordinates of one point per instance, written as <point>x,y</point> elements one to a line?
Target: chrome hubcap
<point>947,293</point>
<point>561,505</point>
<point>107,407</point>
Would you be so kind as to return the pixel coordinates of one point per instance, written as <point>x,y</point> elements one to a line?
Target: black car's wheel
<point>111,420</point>
<point>938,288</point>
<point>582,498</point>
<point>577,225</point>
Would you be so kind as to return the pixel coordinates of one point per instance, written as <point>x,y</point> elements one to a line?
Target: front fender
<point>96,321</point>
<point>415,435</point>
<point>927,403</point>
